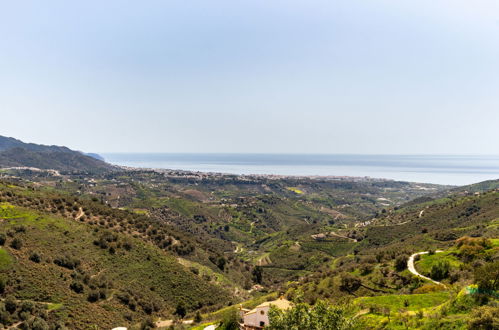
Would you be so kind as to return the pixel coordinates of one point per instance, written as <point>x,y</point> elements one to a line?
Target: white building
<point>258,318</point>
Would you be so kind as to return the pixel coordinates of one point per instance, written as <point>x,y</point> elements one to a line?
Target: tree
<point>230,320</point>
<point>76,287</point>
<point>401,263</point>
<point>39,324</point>
<point>349,283</point>
<point>10,304</point>
<point>487,277</point>
<point>221,263</point>
<point>257,274</point>
<point>147,324</point>
<point>198,318</point>
<point>321,316</point>
<point>440,270</point>
<point>181,310</point>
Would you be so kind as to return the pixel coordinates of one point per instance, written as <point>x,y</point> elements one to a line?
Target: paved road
<point>412,269</point>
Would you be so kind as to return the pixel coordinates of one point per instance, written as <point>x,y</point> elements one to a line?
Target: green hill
<point>83,275</point>
<point>15,153</point>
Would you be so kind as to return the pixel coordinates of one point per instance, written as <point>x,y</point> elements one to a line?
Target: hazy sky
<point>252,76</point>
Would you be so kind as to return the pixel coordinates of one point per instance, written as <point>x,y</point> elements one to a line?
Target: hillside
<point>82,274</point>
<point>375,279</point>
<point>15,153</point>
<point>247,220</point>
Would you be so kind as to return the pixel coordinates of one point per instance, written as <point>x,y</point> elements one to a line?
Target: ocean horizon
<point>439,169</point>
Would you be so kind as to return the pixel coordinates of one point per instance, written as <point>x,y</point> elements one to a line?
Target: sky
<point>280,76</point>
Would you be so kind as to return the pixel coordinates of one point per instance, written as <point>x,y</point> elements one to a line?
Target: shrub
<point>365,268</point>
<point>39,324</point>
<point>3,284</point>
<point>230,320</point>
<point>35,257</point>
<point>181,311</point>
<point>401,263</point>
<point>27,306</point>
<point>487,277</point>
<point>320,316</point>
<point>3,238</point>
<point>485,317</point>
<point>10,304</point>
<point>147,324</point>
<point>16,243</point>
<point>76,287</point>
<point>349,283</point>
<point>67,262</point>
<point>440,270</point>
<point>257,274</point>
<point>93,296</point>
<point>198,318</point>
<point>427,288</point>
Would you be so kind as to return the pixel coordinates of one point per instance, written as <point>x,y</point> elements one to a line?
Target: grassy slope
<point>442,221</point>
<point>145,271</point>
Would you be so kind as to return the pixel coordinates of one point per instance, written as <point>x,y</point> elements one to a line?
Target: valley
<point>143,248</point>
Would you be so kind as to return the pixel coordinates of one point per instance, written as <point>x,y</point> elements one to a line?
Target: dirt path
<point>252,225</point>
<point>342,236</point>
<point>163,323</point>
<point>15,325</point>
<point>80,214</point>
<point>238,248</point>
<point>168,323</point>
<point>412,269</point>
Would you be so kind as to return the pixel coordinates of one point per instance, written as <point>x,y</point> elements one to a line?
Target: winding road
<point>412,269</point>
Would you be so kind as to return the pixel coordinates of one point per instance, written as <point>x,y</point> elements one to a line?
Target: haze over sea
<point>441,169</point>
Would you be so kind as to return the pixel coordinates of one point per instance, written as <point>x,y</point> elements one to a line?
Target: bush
<point>93,296</point>
<point>10,304</point>
<point>3,284</point>
<point>16,243</point>
<point>427,288</point>
<point>349,283</point>
<point>39,324</point>
<point>198,318</point>
<point>317,317</point>
<point>257,274</point>
<point>76,287</point>
<point>401,263</point>
<point>67,262</point>
<point>485,317</point>
<point>181,311</point>
<point>440,270</point>
<point>230,320</point>
<point>147,324</point>
<point>487,277</point>
<point>365,269</point>
<point>35,257</point>
<point>3,238</point>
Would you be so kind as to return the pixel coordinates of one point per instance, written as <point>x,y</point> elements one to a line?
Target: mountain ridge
<point>16,153</point>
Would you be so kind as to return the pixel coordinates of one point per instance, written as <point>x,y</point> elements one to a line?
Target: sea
<point>439,169</point>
